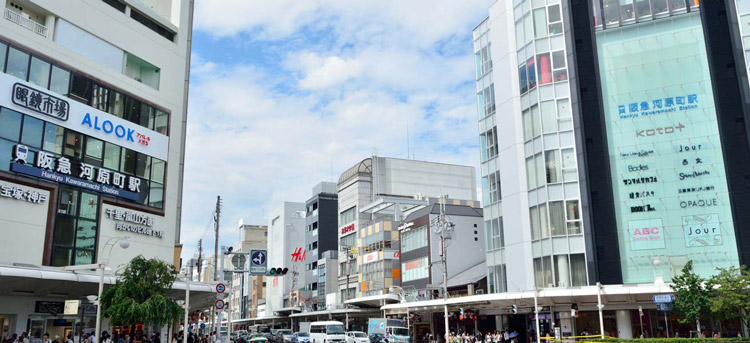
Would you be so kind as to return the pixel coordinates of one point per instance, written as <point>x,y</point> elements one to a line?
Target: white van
<point>327,332</point>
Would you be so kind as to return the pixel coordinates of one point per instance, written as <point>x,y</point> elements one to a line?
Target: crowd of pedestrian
<point>488,337</point>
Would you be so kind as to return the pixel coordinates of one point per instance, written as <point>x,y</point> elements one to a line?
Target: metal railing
<point>22,21</point>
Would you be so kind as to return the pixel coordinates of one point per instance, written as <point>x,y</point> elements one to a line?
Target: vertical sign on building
<point>669,183</point>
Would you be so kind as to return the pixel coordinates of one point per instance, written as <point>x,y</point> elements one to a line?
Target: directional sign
<point>665,307</point>
<point>239,261</point>
<point>258,259</point>
<point>220,288</point>
<point>663,298</point>
<point>219,304</point>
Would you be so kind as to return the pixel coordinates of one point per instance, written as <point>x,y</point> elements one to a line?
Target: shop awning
<point>340,311</point>
<point>468,276</point>
<point>49,282</point>
<point>613,296</point>
<point>373,300</point>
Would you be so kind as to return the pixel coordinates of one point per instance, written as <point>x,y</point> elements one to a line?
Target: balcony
<point>15,17</point>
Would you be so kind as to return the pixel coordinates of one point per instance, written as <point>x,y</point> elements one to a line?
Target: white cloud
<point>259,135</point>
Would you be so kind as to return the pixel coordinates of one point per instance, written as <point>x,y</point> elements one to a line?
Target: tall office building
<point>250,237</point>
<point>616,129</point>
<point>321,221</point>
<point>286,249</point>
<point>373,195</point>
<point>93,102</point>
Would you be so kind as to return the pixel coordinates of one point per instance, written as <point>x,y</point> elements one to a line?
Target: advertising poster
<point>667,163</point>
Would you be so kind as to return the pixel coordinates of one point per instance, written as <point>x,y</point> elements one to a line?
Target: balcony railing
<point>26,22</point>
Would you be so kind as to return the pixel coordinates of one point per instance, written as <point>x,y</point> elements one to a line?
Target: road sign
<point>238,261</point>
<point>220,288</point>
<point>219,304</point>
<point>71,307</point>
<point>663,298</point>
<point>258,260</point>
<point>664,307</point>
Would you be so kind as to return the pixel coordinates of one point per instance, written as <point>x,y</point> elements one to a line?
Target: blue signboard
<point>73,181</point>
<point>663,298</point>
<point>258,260</point>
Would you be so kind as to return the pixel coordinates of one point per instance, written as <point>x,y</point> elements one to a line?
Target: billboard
<point>666,162</point>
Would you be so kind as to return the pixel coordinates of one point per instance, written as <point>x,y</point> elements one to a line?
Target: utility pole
<point>200,259</point>
<point>217,217</point>
<point>444,226</point>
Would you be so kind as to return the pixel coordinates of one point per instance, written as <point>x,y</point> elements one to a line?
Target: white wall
<point>285,233</point>
<point>23,226</point>
<point>409,177</point>
<point>148,246</point>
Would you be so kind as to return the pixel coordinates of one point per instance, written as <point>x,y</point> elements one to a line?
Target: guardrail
<point>22,21</point>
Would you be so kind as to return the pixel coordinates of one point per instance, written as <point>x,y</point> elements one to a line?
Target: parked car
<point>377,338</point>
<point>257,338</point>
<point>301,337</point>
<point>272,336</point>
<point>356,337</point>
<point>284,336</point>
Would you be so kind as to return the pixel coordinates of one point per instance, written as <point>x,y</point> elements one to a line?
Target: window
<point>530,173</point>
<point>3,53</point>
<point>100,98</point>
<point>75,231</point>
<point>415,269</point>
<point>162,31</point>
<point>141,71</point>
<point>540,23</point>
<point>564,115</point>
<point>111,156</point>
<point>531,72</point>
<point>116,4</point>
<point>81,88</point>
<point>128,161</point>
<point>94,152</point>
<point>59,81</point>
<point>494,185</point>
<point>523,81</point>
<point>527,131</point>
<point>570,168</point>
<point>33,130</point>
<point>53,138</point>
<point>560,72</point>
<point>536,231</point>
<point>562,270</point>
<point>39,72</point>
<point>18,63</point>
<point>348,216</point>
<point>10,124</point>
<point>414,239</point>
<point>496,279</point>
<point>545,68</point>
<point>578,270</point>
<point>486,190</point>
<point>553,170</point>
<point>555,20</point>
<point>539,162</point>
<point>573,212</point>
<point>483,147</point>
<point>492,149</point>
<point>73,144</point>
<point>117,104</point>
<point>489,100</point>
<point>536,124</point>
<point>557,218</point>
<point>161,122</point>
<point>549,116</point>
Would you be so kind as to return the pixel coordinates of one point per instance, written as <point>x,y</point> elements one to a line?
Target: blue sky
<point>285,94</point>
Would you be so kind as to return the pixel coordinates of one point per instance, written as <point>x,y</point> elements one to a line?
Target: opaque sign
<point>347,229</point>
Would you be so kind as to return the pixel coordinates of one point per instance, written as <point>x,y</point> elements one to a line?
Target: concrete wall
<point>23,225</point>
<point>285,234</point>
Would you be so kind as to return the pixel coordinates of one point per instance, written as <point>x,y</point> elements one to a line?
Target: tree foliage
<point>731,294</point>
<point>140,294</point>
<point>692,295</point>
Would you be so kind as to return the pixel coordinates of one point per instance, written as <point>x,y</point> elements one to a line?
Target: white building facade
<point>93,101</point>
<point>286,249</point>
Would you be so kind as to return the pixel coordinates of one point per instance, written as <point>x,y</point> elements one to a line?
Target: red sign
<point>299,255</point>
<point>347,229</point>
<point>219,304</point>
<point>220,288</point>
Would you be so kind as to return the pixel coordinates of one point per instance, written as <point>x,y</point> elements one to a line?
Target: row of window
<point>483,60</point>
<point>488,144</point>
<point>35,69</point>
<point>39,135</point>
<point>414,239</point>
<point>415,269</point>
<point>152,25</point>
<point>549,168</point>
<point>567,271</point>
<point>486,101</point>
<point>493,229</point>
<point>348,216</point>
<point>563,218</point>
<point>547,117</point>
<point>496,279</point>
<point>624,12</point>
<point>547,21</point>
<point>543,69</point>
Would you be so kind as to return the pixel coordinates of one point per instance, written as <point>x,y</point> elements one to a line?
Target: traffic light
<point>515,309</point>
<point>277,271</point>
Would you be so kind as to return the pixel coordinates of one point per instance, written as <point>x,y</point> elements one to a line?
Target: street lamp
<point>124,243</point>
<point>186,302</point>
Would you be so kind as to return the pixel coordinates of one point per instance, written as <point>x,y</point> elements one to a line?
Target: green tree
<point>692,296</point>
<point>731,300</point>
<point>140,294</point>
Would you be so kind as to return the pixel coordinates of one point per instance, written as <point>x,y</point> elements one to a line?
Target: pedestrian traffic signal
<point>277,271</point>
<point>515,309</point>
